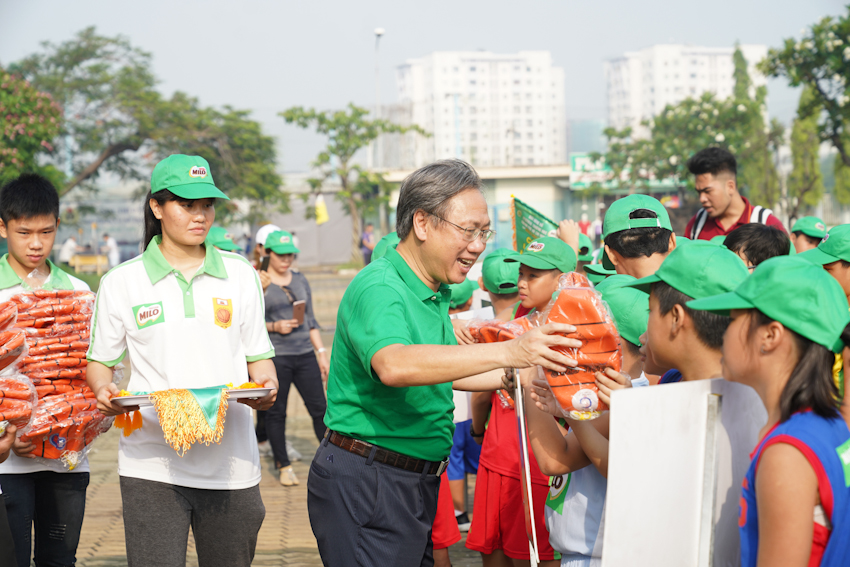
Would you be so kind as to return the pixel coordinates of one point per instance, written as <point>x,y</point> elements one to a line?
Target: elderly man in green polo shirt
<point>372,488</point>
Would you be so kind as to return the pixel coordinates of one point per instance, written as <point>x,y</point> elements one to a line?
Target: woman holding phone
<point>294,334</point>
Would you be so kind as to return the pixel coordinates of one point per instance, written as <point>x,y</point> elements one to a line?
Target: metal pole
<point>382,208</point>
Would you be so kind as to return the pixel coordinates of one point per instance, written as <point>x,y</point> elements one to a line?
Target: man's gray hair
<point>430,189</point>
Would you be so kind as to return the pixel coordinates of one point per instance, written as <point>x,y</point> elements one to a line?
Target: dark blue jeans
<point>55,504</point>
<point>302,371</point>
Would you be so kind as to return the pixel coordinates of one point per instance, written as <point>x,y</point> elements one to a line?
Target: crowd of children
<point>751,305</point>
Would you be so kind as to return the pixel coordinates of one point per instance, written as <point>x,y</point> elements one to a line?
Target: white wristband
<point>323,349</point>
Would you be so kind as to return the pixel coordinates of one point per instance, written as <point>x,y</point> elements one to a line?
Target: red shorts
<point>498,518</point>
<point>445,531</point>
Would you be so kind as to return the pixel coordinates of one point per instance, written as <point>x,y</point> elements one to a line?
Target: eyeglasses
<point>471,234</point>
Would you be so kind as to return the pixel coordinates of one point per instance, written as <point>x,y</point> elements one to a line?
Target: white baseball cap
<point>264,232</point>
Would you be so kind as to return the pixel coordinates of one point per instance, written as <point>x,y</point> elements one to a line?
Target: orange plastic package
<point>494,331</point>
<point>578,304</point>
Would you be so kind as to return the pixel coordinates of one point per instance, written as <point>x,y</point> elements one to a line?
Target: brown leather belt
<point>385,456</point>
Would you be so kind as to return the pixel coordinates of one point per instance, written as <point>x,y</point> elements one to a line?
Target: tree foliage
<point>820,60</point>
<point>347,131</point>
<point>805,183</point>
<point>117,122</point>
<point>30,120</point>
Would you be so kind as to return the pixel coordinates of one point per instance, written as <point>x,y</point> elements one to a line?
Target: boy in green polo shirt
<point>37,489</point>
<point>807,233</point>
<point>680,338</point>
<point>637,234</point>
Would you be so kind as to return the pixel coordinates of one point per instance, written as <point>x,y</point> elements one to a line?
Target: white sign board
<point>678,454</point>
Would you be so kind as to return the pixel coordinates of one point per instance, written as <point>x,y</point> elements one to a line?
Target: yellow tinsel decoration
<point>183,422</point>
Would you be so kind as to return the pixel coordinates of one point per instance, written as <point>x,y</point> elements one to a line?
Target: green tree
<point>820,60</point>
<point>30,122</point>
<point>116,121</point>
<point>756,171</point>
<point>347,132</point>
<point>805,183</point>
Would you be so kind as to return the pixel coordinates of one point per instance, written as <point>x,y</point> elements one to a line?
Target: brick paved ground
<point>285,538</point>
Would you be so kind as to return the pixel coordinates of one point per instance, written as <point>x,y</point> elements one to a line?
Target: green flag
<point>529,224</point>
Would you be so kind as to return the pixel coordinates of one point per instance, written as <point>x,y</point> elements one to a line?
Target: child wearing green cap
<point>788,319</point>
<point>499,279</point>
<point>498,531</point>
<point>807,233</point>
<point>461,299</point>
<point>686,341</point>
<point>190,317</point>
<point>576,500</point>
<point>638,235</point>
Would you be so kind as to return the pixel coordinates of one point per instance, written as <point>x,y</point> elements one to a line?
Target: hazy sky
<point>269,55</point>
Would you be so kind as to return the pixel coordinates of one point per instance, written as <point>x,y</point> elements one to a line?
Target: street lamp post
<point>382,208</point>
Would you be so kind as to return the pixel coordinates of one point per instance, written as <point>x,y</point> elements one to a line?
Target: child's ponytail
<point>811,386</point>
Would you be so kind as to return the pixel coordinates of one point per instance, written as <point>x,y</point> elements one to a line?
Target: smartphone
<point>264,265</point>
<point>298,309</point>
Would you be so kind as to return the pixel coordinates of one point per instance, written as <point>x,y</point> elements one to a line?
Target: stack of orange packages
<point>57,326</point>
<point>18,397</point>
<point>576,303</point>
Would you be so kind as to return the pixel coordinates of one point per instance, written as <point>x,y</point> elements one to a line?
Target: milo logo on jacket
<point>148,314</point>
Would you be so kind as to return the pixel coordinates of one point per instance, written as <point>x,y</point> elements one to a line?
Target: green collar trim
<point>8,278</point>
<point>157,267</point>
<point>417,286</point>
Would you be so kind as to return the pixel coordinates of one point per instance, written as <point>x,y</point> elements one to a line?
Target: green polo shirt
<point>58,279</point>
<point>388,304</point>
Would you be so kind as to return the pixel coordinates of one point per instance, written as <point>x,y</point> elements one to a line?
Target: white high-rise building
<point>486,108</point>
<point>641,83</point>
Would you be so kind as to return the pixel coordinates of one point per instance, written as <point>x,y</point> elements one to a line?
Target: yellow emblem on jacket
<point>222,312</point>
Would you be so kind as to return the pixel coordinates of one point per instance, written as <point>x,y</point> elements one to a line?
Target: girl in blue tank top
<point>788,318</point>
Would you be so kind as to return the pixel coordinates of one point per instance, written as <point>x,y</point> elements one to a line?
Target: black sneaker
<point>463,522</point>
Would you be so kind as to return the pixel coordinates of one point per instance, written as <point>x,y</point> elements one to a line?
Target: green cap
<point>547,253</point>
<point>220,238</point>
<point>597,273</point>
<point>719,239</point>
<point>835,246</point>
<point>797,293</point>
<point>188,177</point>
<point>500,277</point>
<point>585,248</point>
<point>617,217</point>
<point>700,269</point>
<point>810,226</point>
<point>280,242</point>
<point>389,241</point>
<point>629,306</point>
<point>461,292</point>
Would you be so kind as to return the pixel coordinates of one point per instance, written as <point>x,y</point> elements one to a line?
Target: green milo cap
<point>797,293</point>
<point>700,269</point>
<point>629,306</point>
<point>585,248</point>
<point>835,246</point>
<point>810,226</point>
<point>618,216</point>
<point>220,238</point>
<point>597,273</point>
<point>500,277</point>
<point>547,253</point>
<point>280,242</point>
<point>461,292</point>
<point>188,177</point>
<point>389,241</point>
